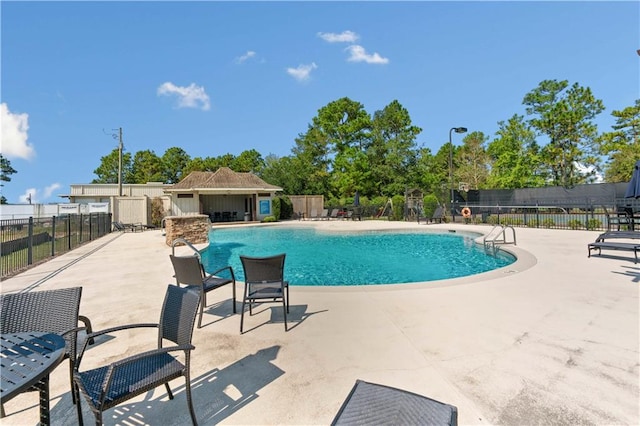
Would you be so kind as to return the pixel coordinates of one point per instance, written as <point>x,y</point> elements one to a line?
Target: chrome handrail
<point>186,242</point>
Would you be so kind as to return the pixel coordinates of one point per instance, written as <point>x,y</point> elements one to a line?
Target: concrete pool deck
<point>551,339</point>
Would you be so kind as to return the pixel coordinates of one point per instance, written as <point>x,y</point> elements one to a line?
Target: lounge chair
<point>190,272</point>
<point>334,214</point>
<point>630,242</point>
<point>107,386</point>
<point>264,283</point>
<point>438,214</point>
<point>124,227</point>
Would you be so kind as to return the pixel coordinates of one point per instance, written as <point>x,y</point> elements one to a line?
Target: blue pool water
<point>374,257</point>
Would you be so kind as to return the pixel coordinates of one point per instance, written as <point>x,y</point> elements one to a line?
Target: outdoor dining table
<point>375,404</point>
<point>26,361</point>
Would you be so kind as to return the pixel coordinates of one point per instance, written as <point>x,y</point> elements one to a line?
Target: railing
<point>498,235</point>
<point>183,241</point>
<point>27,242</point>
<point>565,215</point>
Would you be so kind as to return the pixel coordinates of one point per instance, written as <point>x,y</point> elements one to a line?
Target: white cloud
<point>30,196</point>
<point>36,196</point>
<point>48,191</point>
<point>302,72</point>
<point>188,97</point>
<point>250,54</point>
<point>14,143</point>
<point>358,54</point>
<point>343,37</point>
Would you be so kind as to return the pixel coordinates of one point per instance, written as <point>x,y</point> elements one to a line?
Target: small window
<point>185,195</point>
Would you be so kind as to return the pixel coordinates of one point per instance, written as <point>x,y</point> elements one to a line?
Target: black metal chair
<point>189,271</point>
<point>109,385</point>
<point>264,283</point>
<point>50,311</point>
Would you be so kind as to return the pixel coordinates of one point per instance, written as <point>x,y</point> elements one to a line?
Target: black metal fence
<point>591,214</point>
<point>27,242</point>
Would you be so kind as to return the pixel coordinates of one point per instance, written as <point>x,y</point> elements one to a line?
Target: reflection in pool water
<point>356,258</point>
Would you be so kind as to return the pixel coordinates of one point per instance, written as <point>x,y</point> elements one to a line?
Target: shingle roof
<point>223,178</point>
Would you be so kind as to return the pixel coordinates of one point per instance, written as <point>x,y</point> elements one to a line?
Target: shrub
<point>548,223</point>
<point>398,207</point>
<point>594,223</point>
<point>574,224</point>
<point>275,205</point>
<point>157,211</point>
<point>430,204</point>
<point>492,220</point>
<point>269,219</point>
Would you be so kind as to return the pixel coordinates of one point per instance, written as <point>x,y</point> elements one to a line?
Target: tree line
<point>345,149</point>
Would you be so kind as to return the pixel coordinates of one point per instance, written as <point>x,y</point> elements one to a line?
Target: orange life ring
<point>466,212</point>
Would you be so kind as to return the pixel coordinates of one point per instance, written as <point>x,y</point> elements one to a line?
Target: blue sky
<point>223,77</point>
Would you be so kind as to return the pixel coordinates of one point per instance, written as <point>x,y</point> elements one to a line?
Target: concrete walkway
<point>551,339</point>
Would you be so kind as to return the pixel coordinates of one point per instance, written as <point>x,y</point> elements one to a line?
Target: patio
<point>553,338</point>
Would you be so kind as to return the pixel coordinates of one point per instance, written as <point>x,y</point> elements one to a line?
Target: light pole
<point>118,136</point>
<point>457,130</point>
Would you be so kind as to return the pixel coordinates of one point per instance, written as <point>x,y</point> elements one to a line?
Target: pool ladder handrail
<point>186,242</point>
<point>492,239</point>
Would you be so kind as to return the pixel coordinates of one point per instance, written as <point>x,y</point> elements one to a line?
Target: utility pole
<point>120,164</point>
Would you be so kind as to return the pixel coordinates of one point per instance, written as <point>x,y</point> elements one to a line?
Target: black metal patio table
<point>372,404</point>
<point>26,361</point>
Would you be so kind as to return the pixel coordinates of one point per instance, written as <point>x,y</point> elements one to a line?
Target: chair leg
<point>203,301</point>
<point>76,392</point>
<point>189,402</point>
<point>284,313</point>
<point>242,314</point>
<point>74,398</point>
<point>287,298</point>
<point>233,286</point>
<point>166,385</point>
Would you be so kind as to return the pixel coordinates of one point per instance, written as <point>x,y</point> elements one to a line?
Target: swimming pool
<point>317,258</point>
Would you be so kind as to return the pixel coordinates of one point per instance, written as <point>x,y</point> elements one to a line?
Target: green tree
<point>107,171</point>
<point>248,161</point>
<point>313,162</point>
<point>5,174</point>
<point>344,123</point>
<point>199,164</point>
<point>174,162</point>
<point>622,145</point>
<point>285,172</point>
<point>515,156</point>
<point>564,115</point>
<point>147,167</point>
<point>344,127</point>
<point>393,152</point>
<point>431,175</point>
<point>472,161</point>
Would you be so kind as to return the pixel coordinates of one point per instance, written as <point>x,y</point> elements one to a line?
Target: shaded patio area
<point>553,338</point>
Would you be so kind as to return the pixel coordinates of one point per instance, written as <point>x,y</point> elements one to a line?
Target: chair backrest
<point>263,269</point>
<point>438,212</point>
<point>188,270</point>
<point>178,315</point>
<point>52,311</point>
